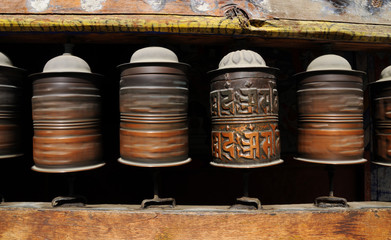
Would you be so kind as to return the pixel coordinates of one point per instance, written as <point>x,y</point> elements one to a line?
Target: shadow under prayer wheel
<point>153,107</point>
<point>381,100</point>
<point>66,116</point>
<point>244,111</point>
<point>330,112</point>
<point>10,108</point>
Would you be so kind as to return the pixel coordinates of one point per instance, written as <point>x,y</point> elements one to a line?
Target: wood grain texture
<point>196,25</point>
<point>39,221</point>
<point>359,11</point>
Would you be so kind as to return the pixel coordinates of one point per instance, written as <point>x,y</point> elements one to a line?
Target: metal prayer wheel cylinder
<point>153,106</point>
<point>10,95</point>
<point>381,98</point>
<point>330,112</point>
<point>244,111</point>
<point>66,116</point>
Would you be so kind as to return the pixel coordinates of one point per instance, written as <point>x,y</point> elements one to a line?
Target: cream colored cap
<point>66,63</point>
<point>153,54</point>
<point>329,62</point>
<point>5,61</point>
<point>242,59</point>
<point>385,75</point>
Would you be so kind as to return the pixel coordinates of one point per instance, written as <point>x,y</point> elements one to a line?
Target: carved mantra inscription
<point>244,117</point>
<point>252,145</point>
<point>244,101</point>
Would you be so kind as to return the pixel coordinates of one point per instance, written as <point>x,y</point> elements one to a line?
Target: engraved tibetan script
<point>244,101</point>
<point>251,145</point>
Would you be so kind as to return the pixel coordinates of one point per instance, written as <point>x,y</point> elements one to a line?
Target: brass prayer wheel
<point>153,106</point>
<point>66,116</point>
<point>244,111</point>
<point>381,98</point>
<point>330,112</point>
<point>10,94</point>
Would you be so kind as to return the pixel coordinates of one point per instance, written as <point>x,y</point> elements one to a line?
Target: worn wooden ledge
<point>362,220</point>
<point>195,25</point>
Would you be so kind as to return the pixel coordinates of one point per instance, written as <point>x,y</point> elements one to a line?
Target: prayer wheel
<point>66,116</point>
<point>10,108</point>
<point>381,98</point>
<point>244,112</point>
<point>153,107</point>
<point>330,112</point>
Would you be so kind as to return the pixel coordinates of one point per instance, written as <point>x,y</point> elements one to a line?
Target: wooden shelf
<point>362,220</point>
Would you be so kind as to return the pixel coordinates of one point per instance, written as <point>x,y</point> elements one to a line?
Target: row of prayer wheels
<point>153,112</point>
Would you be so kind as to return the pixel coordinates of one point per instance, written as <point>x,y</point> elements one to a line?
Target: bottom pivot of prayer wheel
<point>247,203</point>
<point>69,201</point>
<point>330,201</point>
<point>158,202</point>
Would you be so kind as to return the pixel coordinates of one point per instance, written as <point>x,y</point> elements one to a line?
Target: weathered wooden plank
<point>359,11</point>
<point>368,220</point>
<point>196,25</point>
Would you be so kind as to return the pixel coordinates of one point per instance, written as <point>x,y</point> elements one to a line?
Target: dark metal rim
<point>96,76</point>
<point>66,169</point>
<point>13,69</point>
<point>139,164</point>
<point>271,70</point>
<point>319,72</point>
<point>378,82</point>
<point>11,155</point>
<point>332,162</point>
<point>179,65</point>
<point>256,165</point>
<point>382,163</point>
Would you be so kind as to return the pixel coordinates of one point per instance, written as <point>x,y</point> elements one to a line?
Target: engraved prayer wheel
<point>153,106</point>
<point>244,111</point>
<point>10,94</point>
<point>381,98</point>
<point>66,116</point>
<point>330,112</point>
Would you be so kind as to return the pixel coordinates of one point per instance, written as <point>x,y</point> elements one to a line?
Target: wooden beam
<point>197,26</point>
<point>359,11</point>
<point>365,220</point>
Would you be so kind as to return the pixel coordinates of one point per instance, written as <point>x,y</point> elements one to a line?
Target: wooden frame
<point>365,220</point>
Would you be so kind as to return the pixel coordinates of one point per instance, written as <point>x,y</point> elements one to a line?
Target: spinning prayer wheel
<point>381,97</point>
<point>10,95</point>
<point>330,112</point>
<point>153,106</point>
<point>244,111</point>
<point>66,116</point>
